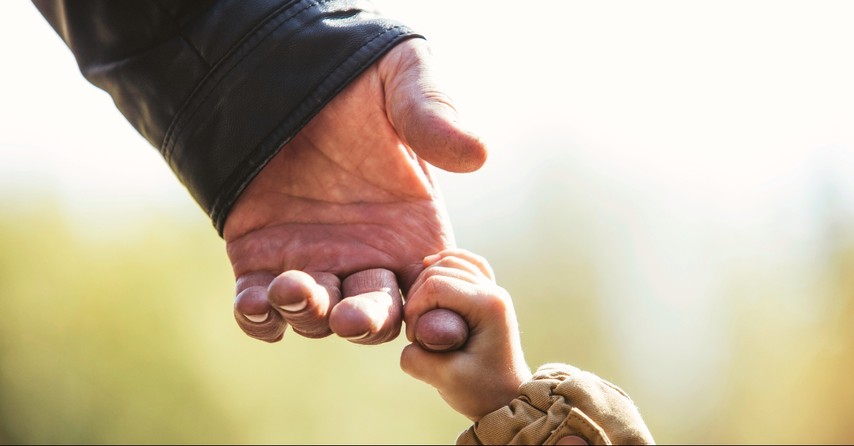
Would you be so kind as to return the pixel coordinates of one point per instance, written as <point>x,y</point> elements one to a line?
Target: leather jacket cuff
<point>219,86</point>
<point>257,98</point>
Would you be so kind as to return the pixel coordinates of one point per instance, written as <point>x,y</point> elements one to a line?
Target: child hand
<point>485,373</point>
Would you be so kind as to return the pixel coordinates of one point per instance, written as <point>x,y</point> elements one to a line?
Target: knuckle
<point>497,298</point>
<point>435,284</point>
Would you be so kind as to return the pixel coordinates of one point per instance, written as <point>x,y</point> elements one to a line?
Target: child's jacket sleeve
<point>559,401</point>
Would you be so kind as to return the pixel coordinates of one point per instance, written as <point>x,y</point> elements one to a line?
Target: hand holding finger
<point>442,330</point>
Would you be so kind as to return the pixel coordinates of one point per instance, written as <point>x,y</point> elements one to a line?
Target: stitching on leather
<point>242,184</point>
<point>235,54</point>
<point>196,49</point>
<point>180,33</point>
<point>219,206</point>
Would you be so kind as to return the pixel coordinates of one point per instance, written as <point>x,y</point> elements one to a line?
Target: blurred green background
<point>669,199</point>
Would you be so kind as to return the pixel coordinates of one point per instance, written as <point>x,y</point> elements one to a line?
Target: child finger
<point>477,261</point>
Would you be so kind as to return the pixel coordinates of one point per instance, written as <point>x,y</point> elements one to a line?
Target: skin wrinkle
<point>393,241</point>
<point>357,161</point>
<point>336,179</point>
<point>357,213</point>
<point>372,76</point>
<point>330,181</point>
<point>439,101</point>
<point>368,179</point>
<point>348,194</point>
<point>315,179</point>
<point>364,213</point>
<point>309,218</point>
<point>257,278</point>
<point>319,150</point>
<point>344,217</point>
<point>410,66</point>
<point>419,168</point>
<point>389,258</point>
<point>396,107</point>
<point>365,175</point>
<point>350,174</point>
<point>342,201</point>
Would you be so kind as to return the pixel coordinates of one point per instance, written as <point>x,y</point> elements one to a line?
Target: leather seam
<point>180,33</point>
<point>225,201</point>
<point>235,54</point>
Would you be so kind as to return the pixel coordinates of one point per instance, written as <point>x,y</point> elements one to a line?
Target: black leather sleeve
<point>218,86</point>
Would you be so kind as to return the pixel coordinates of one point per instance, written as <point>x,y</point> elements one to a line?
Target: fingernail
<point>293,308</point>
<point>438,348</point>
<point>357,338</point>
<point>257,318</point>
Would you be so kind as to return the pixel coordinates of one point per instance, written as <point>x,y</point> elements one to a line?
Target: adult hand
<point>341,218</point>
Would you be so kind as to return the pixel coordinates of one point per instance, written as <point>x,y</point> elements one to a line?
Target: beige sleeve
<point>561,400</point>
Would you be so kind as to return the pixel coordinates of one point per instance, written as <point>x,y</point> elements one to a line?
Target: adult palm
<point>342,216</point>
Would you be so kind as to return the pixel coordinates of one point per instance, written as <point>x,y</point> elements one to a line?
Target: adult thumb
<point>423,115</point>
